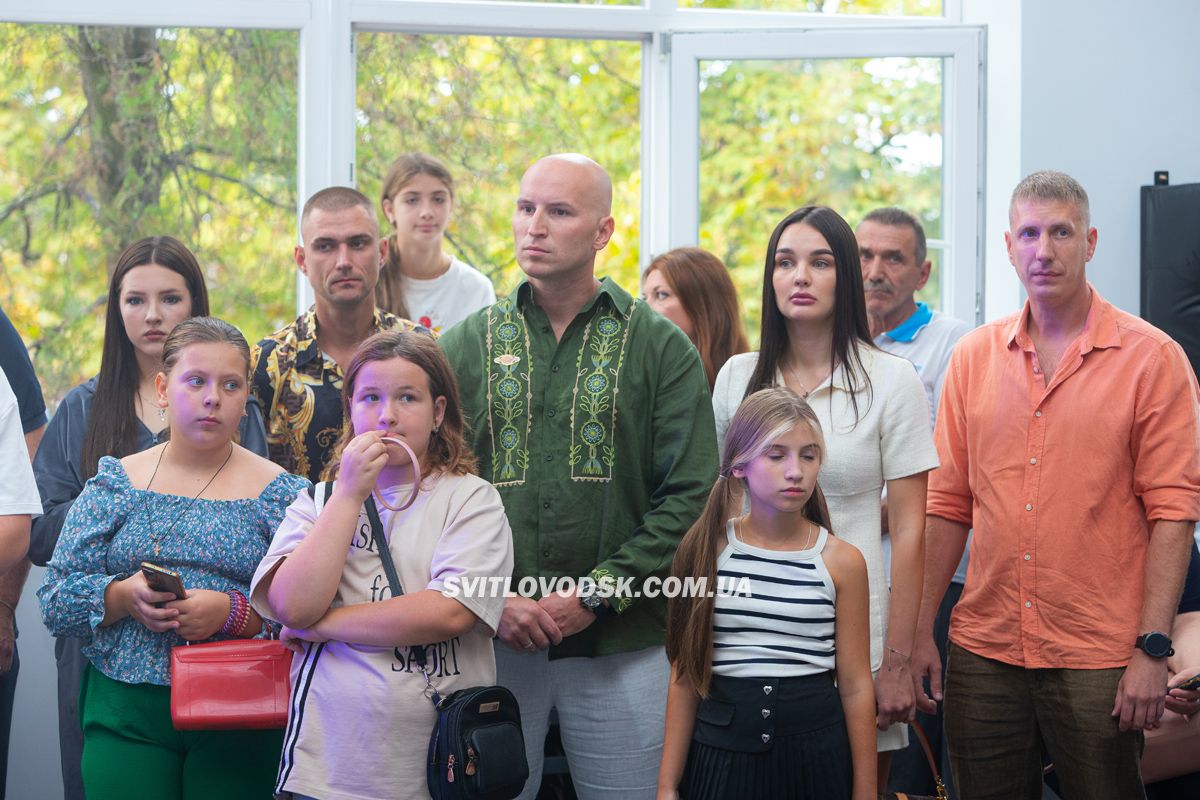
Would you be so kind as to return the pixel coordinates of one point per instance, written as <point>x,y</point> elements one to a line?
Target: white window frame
<point>961,286</point>
<point>326,83</point>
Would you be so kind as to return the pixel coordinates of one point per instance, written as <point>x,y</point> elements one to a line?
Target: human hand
<point>295,639</point>
<point>664,793</point>
<point>1141,693</point>
<point>926,663</point>
<point>1183,701</point>
<point>201,614</point>
<point>363,459</point>
<point>526,626</point>
<point>567,612</point>
<point>895,699</point>
<point>141,602</point>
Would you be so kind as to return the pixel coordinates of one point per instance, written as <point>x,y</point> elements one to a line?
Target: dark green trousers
<point>130,749</point>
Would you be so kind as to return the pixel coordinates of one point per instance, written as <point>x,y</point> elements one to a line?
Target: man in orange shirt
<point>1069,436</point>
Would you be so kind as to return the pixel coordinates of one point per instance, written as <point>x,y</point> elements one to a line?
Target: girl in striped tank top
<point>752,708</point>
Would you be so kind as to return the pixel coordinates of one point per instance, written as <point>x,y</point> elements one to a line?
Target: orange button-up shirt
<point>1062,483</point>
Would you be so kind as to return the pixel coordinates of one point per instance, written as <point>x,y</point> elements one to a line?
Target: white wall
<point>1110,92</point>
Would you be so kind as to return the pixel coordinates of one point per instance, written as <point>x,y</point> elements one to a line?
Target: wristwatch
<point>1155,644</point>
<point>590,599</point>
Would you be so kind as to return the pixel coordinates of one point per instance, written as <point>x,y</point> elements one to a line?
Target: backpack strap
<point>320,493</point>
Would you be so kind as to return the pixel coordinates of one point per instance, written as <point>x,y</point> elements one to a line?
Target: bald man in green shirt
<point>590,413</point>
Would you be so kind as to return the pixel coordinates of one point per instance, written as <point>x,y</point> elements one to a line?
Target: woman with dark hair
<point>418,280</point>
<point>873,409</point>
<point>157,283</point>
<point>206,509</point>
<point>692,288</point>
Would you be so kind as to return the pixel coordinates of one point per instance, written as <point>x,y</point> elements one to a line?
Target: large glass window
<point>109,134</point>
<point>489,106</point>
<point>852,134</point>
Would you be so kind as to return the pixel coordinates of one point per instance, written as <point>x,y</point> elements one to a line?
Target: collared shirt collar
<point>305,331</point>
<point>907,331</point>
<point>1099,330</point>
<point>620,299</point>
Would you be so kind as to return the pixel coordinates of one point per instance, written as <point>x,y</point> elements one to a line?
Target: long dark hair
<point>705,290</point>
<point>759,421</point>
<point>112,424</point>
<point>851,329</point>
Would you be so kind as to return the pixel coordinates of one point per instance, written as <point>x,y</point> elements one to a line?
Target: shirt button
<point>766,712</point>
<point>1028,506</point>
<point>766,737</point>
<point>1033,461</point>
<point>1028,604</point>
<point>1037,413</point>
<point>548,457</point>
<point>1027,556</point>
<point>546,554</point>
<point>547,505</point>
<point>545,329</point>
<point>554,368</point>
<point>1037,371</point>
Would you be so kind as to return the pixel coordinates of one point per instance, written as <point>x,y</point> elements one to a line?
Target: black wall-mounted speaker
<point>1171,263</point>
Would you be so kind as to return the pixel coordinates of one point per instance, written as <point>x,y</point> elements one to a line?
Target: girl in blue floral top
<point>198,504</point>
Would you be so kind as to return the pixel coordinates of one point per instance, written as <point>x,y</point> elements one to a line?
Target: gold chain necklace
<point>810,537</point>
<point>804,390</point>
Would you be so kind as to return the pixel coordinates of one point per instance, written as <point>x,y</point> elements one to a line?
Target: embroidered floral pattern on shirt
<point>509,393</point>
<point>594,401</point>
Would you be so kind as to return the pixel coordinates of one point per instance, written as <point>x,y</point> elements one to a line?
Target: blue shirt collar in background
<point>907,331</point>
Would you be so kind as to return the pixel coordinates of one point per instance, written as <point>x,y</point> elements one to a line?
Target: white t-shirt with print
<point>359,723</point>
<point>442,302</point>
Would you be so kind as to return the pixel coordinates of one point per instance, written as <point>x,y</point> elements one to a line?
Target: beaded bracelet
<point>239,614</point>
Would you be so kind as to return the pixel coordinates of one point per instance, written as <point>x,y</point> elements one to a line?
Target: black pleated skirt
<point>748,744</point>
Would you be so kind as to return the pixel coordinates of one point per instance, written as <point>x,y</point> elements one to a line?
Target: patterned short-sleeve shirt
<point>299,389</point>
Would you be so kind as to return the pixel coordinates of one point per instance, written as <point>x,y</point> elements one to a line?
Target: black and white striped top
<point>785,628</point>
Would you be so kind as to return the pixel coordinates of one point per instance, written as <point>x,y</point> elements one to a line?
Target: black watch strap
<point>1155,644</point>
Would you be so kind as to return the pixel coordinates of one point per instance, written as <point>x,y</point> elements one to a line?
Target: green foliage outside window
<point>110,134</point>
<point>489,107</point>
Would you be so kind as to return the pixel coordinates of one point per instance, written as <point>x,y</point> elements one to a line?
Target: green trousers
<point>130,749</point>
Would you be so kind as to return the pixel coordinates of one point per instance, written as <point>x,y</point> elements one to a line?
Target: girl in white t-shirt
<point>359,724</point>
<point>419,281</point>
<point>752,709</point>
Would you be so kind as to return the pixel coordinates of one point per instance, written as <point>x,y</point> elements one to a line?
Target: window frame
<point>326,84</point>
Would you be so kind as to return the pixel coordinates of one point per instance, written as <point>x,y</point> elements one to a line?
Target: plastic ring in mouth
<point>416,468</point>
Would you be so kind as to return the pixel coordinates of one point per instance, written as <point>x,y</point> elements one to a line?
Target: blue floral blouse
<point>113,527</point>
